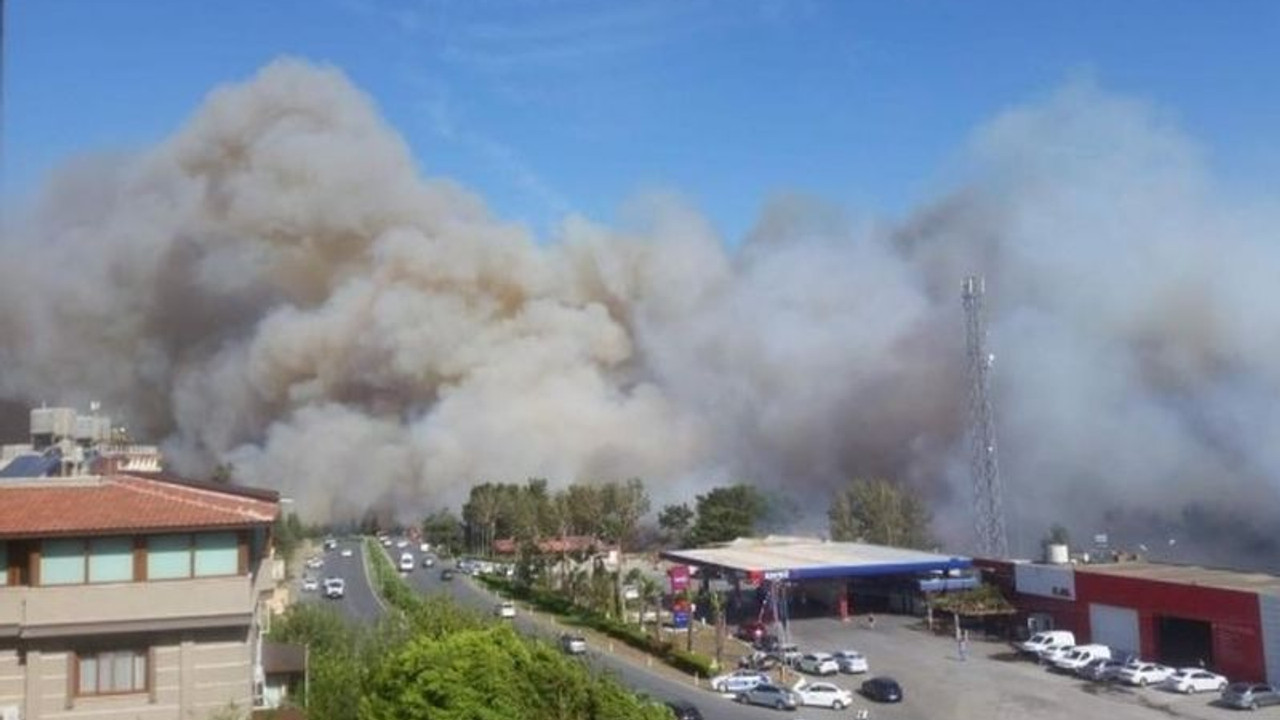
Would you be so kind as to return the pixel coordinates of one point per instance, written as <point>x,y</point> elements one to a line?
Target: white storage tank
<point>1057,554</point>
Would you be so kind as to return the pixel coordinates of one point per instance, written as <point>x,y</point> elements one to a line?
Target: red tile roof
<point>122,503</point>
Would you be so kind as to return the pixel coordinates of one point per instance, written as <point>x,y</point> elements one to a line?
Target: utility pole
<point>993,541</point>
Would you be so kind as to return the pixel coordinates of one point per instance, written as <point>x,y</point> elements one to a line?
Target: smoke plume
<point>276,286</point>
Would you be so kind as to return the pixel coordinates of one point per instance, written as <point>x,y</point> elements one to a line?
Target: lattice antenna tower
<point>988,500</point>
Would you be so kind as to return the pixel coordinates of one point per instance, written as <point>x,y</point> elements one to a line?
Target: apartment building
<point>131,597</point>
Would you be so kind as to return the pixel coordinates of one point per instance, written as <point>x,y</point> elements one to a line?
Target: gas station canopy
<point>796,558</point>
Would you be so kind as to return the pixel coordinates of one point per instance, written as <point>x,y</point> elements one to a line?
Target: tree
<point>879,512</point>
<point>624,505</point>
<point>481,515</point>
<point>717,617</point>
<point>727,513</point>
<point>675,521</point>
<point>443,530</point>
<point>223,474</point>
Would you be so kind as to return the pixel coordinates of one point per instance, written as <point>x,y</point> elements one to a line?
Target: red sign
<point>679,577</point>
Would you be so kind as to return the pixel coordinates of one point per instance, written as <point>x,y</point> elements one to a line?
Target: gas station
<point>807,577</point>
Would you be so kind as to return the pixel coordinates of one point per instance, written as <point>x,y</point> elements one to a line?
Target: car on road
<point>330,543</point>
<point>505,609</point>
<point>770,695</point>
<point>347,552</point>
<point>402,544</point>
<point>428,561</point>
<point>1144,673</point>
<point>851,661</point>
<point>310,584</point>
<point>738,681</point>
<point>882,689</point>
<point>684,710</point>
<point>407,563</point>
<point>335,588</point>
<point>1250,696</point>
<point>424,547</point>
<point>751,632</point>
<point>818,663</point>
<point>573,644</point>
<point>823,694</point>
<point>1193,680</point>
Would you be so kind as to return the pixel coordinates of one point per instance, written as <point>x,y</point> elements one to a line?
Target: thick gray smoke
<point>276,286</point>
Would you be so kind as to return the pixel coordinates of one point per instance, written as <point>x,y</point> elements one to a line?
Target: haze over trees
<point>879,512</point>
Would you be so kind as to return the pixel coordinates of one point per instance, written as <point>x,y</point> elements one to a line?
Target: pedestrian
<point>871,621</point>
<point>963,642</point>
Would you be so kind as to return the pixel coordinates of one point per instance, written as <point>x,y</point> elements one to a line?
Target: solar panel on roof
<point>27,466</point>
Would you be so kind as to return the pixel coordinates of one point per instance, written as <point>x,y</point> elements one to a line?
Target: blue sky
<point>567,105</point>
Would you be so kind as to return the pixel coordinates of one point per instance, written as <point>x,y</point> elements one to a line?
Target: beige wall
<point>196,676</point>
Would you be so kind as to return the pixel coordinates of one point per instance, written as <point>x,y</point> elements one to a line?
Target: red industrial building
<point>1175,614</point>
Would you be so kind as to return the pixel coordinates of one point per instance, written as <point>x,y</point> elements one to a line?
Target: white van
<point>406,562</point>
<point>1047,640</point>
<point>1079,656</point>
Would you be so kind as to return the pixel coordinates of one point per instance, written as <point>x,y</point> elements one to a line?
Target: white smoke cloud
<point>276,286</point>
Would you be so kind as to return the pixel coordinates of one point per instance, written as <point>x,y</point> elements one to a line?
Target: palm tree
<point>650,597</point>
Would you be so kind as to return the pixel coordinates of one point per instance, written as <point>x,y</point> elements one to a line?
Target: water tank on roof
<point>58,422</point>
<point>1056,554</point>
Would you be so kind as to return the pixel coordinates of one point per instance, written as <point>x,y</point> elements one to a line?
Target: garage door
<point>1269,605</point>
<point>1116,627</point>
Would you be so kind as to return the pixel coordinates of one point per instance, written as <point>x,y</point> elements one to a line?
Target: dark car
<point>446,574</point>
<point>882,689</point>
<point>684,710</point>
<point>751,631</point>
<point>1250,696</point>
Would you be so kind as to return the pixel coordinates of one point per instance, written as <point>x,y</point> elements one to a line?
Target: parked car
<point>684,710</point>
<point>573,644</point>
<point>738,681</point>
<point>851,661</point>
<point>335,588</point>
<point>446,574</point>
<point>788,654</point>
<point>1194,680</point>
<point>1101,669</point>
<point>1046,640</point>
<point>310,584</point>
<point>1250,696</point>
<point>770,695</point>
<point>818,664</point>
<point>882,689</point>
<point>823,694</point>
<point>758,661</point>
<point>505,609</point>
<point>751,632</point>
<point>1079,656</point>
<point>1144,673</point>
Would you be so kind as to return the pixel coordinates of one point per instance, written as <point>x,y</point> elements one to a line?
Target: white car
<point>315,563</point>
<point>1143,674</point>
<point>1194,680</point>
<point>347,552</point>
<point>819,664</point>
<point>505,609</point>
<point>335,588</point>
<point>823,694</point>
<point>788,654</point>
<point>402,544</point>
<point>310,584</point>
<point>851,661</point>
<point>407,562</point>
<point>738,681</point>
<point>424,547</point>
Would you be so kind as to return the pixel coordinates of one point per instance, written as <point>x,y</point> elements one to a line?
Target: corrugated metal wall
<point>1269,609</point>
<point>1115,627</point>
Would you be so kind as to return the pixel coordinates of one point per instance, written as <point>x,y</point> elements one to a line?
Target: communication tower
<point>988,501</point>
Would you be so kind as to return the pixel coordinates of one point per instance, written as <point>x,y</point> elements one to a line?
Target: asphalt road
<point>360,602</point>
<point>653,682</point>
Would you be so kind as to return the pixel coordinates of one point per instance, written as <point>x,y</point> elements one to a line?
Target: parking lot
<point>991,683</point>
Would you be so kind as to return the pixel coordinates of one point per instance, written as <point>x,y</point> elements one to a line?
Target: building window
<point>168,557</point>
<point>111,673</point>
<point>62,562</point>
<point>111,559</point>
<point>217,554</point>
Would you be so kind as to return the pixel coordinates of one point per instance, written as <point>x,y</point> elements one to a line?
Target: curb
<point>364,563</point>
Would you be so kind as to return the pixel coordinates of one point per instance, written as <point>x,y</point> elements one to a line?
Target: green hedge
<point>556,604</point>
<point>387,580</point>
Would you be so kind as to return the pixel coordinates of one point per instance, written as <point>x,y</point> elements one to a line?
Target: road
<point>360,603</point>
<point>657,682</point>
